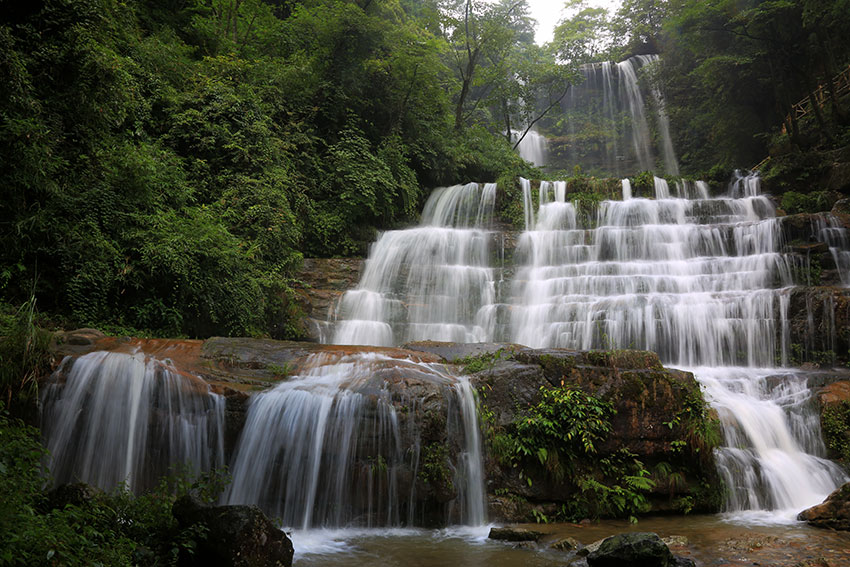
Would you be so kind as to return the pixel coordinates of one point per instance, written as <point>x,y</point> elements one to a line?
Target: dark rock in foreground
<point>237,536</point>
<point>635,550</point>
<point>833,513</point>
<point>514,534</point>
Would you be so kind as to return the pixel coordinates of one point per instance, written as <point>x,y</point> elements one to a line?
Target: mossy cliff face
<point>652,450</point>
<point>568,434</point>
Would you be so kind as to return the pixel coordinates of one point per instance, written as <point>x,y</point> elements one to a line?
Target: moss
<point>835,423</point>
<point>435,469</point>
<point>480,362</point>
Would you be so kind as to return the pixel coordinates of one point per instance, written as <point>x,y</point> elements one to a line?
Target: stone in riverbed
<point>833,513</point>
<point>237,536</point>
<point>566,544</point>
<point>640,549</point>
<point>514,534</point>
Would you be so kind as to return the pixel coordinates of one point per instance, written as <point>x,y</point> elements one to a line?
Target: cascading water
<point>694,280</point>
<point>433,282</point>
<point>533,147</point>
<point>607,125</point>
<point>339,446</point>
<point>110,418</point>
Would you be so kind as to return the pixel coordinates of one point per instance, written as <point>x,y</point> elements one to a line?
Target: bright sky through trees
<point>549,12</point>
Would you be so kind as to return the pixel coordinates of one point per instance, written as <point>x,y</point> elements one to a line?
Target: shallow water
<point>717,540</point>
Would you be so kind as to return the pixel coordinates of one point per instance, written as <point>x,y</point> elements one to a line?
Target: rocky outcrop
<point>660,417</point>
<point>653,406</point>
<point>514,534</point>
<point>818,326</point>
<point>833,513</point>
<point>322,281</point>
<point>236,536</point>
<point>635,550</point>
<point>834,404</point>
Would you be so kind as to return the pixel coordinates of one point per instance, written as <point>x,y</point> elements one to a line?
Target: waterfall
<point>829,230</point>
<point>110,418</point>
<point>341,444</point>
<point>694,279</point>
<point>533,146</point>
<point>608,127</point>
<point>432,282</point>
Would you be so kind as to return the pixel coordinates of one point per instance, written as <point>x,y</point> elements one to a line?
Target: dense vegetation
<point>165,165</point>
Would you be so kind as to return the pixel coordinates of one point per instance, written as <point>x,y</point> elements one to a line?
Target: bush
<point>111,529</point>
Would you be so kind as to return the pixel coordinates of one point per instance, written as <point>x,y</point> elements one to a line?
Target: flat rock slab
<point>514,534</point>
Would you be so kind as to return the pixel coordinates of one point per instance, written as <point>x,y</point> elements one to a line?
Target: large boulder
<point>639,549</point>
<point>833,513</point>
<point>660,417</point>
<point>236,536</point>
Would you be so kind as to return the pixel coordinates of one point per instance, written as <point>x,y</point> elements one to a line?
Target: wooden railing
<point>841,83</point>
<point>842,87</point>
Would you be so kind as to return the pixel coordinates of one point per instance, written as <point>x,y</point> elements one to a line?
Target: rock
<point>675,541</point>
<point>514,534</point>
<point>83,337</point>
<point>646,398</point>
<point>585,551</point>
<point>639,549</point>
<point>525,545</point>
<point>237,536</point>
<point>566,544</point>
<point>833,513</point>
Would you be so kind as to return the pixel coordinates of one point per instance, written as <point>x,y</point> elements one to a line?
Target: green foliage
<point>24,356</point>
<point>814,202</point>
<point>835,423</point>
<point>478,363</point>
<point>561,435</point>
<point>117,528</point>
<point>167,165</point>
<point>435,469</point>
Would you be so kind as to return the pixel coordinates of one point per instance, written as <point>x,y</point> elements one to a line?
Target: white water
<point>129,418</point>
<point>612,99</point>
<point>703,283</point>
<point>433,282</point>
<point>533,147</point>
<point>333,447</point>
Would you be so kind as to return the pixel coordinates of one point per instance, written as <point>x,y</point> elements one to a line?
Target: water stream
<point>340,445</point>
<point>113,418</point>
<point>700,280</point>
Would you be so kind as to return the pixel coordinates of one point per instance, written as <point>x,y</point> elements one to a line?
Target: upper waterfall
<point>434,281</point>
<point>612,123</point>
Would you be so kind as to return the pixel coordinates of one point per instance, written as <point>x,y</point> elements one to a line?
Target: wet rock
<point>237,536</point>
<point>587,550</point>
<point>514,534</point>
<point>81,337</point>
<point>566,544</point>
<point>525,545</point>
<point>641,549</point>
<point>675,541</point>
<point>321,284</point>
<point>646,396</point>
<point>833,513</point>
<point>452,352</point>
<point>820,562</point>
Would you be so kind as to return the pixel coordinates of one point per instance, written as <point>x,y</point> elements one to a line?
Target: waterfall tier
<point>702,281</point>
<point>431,282</point>
<point>113,418</point>
<point>342,444</point>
